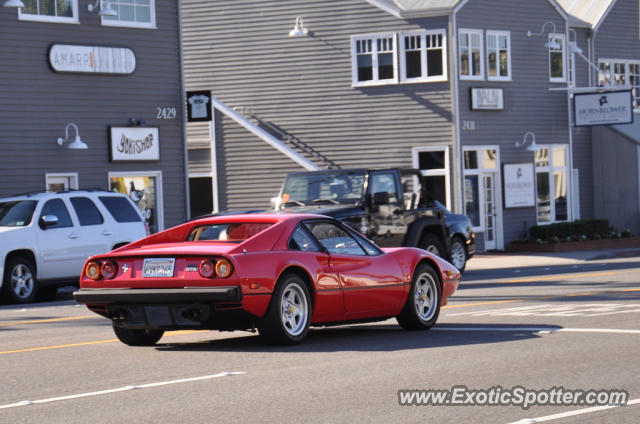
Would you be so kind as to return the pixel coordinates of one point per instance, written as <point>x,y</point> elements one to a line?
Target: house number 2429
<point>166,113</point>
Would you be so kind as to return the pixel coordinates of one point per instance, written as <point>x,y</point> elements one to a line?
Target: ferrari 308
<point>279,273</point>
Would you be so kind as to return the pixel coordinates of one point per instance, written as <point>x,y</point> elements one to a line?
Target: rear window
<point>87,212</point>
<point>234,232</point>
<point>120,208</point>
<point>17,213</point>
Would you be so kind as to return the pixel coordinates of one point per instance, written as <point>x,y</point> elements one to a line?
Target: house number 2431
<point>166,113</point>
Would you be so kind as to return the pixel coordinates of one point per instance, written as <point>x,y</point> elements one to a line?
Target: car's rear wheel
<point>458,254</point>
<point>19,284</point>
<point>135,337</point>
<point>288,316</point>
<point>432,244</point>
<point>422,308</point>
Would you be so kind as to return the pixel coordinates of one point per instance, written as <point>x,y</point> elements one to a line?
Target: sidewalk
<point>495,260</point>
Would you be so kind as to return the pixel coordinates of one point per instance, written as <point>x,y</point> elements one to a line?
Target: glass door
<point>489,211</point>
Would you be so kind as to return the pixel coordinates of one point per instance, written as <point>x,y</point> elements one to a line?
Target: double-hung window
<point>498,55</point>
<point>552,183</point>
<point>374,59</point>
<point>470,48</point>
<point>621,72</point>
<point>423,56</point>
<point>132,13</point>
<point>557,71</point>
<point>60,11</point>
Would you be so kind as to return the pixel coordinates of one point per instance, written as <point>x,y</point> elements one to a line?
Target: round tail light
<point>92,270</point>
<point>207,269</point>
<point>109,269</point>
<point>223,268</point>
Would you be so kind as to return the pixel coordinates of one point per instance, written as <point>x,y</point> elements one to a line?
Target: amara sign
<point>92,59</point>
<point>134,143</point>
<point>612,107</point>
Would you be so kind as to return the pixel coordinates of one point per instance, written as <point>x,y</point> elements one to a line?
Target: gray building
<point>91,98</point>
<point>477,94</point>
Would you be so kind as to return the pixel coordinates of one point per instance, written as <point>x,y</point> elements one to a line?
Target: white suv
<point>46,237</point>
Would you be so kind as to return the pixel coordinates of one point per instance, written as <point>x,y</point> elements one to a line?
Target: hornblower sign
<point>613,107</point>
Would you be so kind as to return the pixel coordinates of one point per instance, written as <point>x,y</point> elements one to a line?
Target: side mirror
<point>381,198</point>
<point>275,203</point>
<point>47,221</point>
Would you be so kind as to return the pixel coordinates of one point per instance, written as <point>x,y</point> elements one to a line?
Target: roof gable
<point>589,12</point>
<point>416,8</point>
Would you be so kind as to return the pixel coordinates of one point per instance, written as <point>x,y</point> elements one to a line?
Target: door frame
<point>497,181</point>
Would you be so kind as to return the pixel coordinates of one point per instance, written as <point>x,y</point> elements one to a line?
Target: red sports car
<point>279,273</point>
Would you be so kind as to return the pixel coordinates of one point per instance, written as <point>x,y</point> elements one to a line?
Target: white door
<point>488,183</point>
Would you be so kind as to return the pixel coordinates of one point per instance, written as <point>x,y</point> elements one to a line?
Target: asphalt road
<point>575,327</point>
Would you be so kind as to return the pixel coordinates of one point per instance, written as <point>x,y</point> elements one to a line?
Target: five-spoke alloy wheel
<point>423,304</point>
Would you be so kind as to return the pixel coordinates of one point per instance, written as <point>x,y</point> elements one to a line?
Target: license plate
<point>158,267</point>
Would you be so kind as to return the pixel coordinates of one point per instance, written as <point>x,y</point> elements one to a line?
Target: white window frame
<point>159,190</point>
<point>635,89</point>
<point>469,33</point>
<point>497,35</point>
<point>374,59</point>
<point>72,178</point>
<point>561,39</point>
<point>550,169</point>
<point>479,171</point>
<point>132,24</point>
<point>423,56</point>
<point>52,19</point>
<point>440,172</point>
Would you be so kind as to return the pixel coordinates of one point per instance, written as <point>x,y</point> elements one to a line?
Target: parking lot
<point>561,323</point>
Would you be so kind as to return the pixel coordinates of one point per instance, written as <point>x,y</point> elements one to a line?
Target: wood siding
<point>241,51</point>
<point>36,103</point>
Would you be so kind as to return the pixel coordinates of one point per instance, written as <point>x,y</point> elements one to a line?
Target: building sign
<point>487,99</point>
<point>134,143</point>
<point>92,59</point>
<point>519,185</point>
<point>198,106</point>
<point>613,107</point>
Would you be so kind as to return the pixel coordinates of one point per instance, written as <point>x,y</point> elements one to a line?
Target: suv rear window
<point>120,208</point>
<point>17,213</point>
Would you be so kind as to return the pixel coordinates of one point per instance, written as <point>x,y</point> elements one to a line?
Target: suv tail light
<point>146,228</point>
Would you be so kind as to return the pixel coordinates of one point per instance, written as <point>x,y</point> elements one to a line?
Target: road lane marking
<point>557,277</point>
<point>120,389</point>
<point>543,330</point>
<point>572,413</point>
<point>34,349</point>
<point>43,321</point>
<point>559,310</point>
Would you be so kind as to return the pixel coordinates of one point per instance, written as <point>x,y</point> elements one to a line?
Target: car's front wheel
<point>288,316</point>
<point>422,308</point>
<point>19,284</point>
<point>136,337</point>
<point>458,254</point>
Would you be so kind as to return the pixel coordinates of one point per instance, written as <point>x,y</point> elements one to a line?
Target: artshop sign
<point>92,59</point>
<point>613,107</point>
<point>518,185</point>
<point>134,144</point>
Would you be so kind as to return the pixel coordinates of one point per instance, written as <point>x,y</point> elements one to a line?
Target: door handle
<point>73,236</point>
<point>107,233</point>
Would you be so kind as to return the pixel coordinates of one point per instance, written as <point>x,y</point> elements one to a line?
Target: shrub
<point>562,230</point>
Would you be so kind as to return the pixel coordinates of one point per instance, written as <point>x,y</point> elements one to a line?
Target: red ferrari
<point>279,273</point>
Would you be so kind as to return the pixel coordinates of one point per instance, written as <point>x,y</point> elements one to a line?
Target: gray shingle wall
<point>36,103</point>
<point>303,85</point>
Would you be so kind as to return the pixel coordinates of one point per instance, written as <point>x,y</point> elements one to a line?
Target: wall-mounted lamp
<point>573,45</point>
<point>532,147</point>
<point>13,3</point>
<point>551,44</point>
<point>103,10</point>
<point>77,143</point>
<point>299,30</point>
